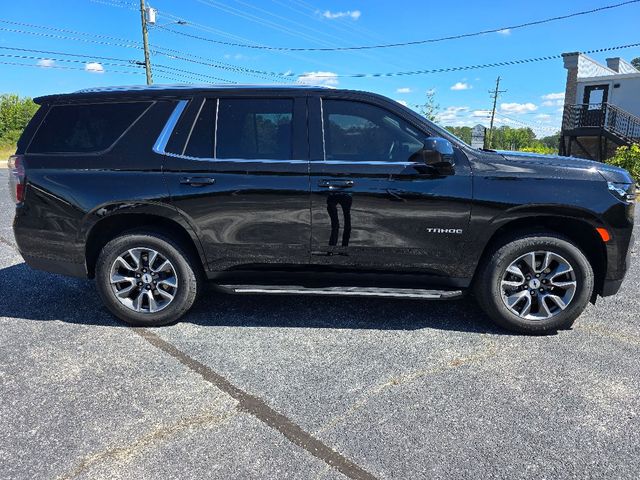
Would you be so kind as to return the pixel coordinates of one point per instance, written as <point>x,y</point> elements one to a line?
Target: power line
<point>61,67</point>
<point>409,43</point>
<point>476,67</point>
<point>536,125</point>
<point>281,76</point>
<point>52,52</point>
<point>127,44</point>
<point>66,60</point>
<point>87,59</point>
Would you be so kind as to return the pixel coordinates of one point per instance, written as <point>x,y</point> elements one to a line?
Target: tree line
<point>508,138</point>
<point>15,113</point>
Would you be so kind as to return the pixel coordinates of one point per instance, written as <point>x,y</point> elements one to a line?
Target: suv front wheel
<point>536,283</point>
<point>146,279</point>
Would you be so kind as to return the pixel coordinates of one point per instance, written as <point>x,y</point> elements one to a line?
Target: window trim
<point>160,145</point>
<point>193,126</point>
<point>92,153</point>
<point>347,162</point>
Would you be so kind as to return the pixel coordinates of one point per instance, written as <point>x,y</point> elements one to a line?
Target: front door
<point>595,98</point>
<point>237,169</point>
<point>374,207</point>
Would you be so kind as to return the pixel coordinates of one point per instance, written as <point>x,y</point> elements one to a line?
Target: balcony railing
<point>605,116</point>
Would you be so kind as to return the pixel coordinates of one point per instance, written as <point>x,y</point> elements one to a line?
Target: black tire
<point>488,283</point>
<point>184,266</point>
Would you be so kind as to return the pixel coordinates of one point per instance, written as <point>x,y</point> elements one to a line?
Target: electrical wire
<point>66,60</point>
<point>475,67</point>
<point>62,67</point>
<point>402,44</point>
<point>88,59</point>
<point>537,125</point>
<point>253,72</point>
<point>123,43</point>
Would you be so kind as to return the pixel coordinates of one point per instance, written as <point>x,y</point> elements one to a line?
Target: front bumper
<point>611,286</point>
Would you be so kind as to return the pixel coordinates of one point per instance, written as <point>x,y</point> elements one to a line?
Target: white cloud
<point>46,62</point>
<point>319,78</point>
<point>461,86</point>
<point>553,96</point>
<point>403,90</point>
<point>553,99</point>
<point>481,113</point>
<point>506,31</point>
<point>518,107</point>
<point>352,14</point>
<point>237,56</point>
<point>450,114</point>
<point>402,102</point>
<point>94,67</point>
<point>543,116</point>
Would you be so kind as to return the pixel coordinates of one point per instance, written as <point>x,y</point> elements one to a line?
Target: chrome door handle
<point>197,181</point>
<point>335,184</point>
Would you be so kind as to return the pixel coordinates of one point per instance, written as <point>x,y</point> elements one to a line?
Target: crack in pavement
<point>9,243</point>
<point>159,434</point>
<point>489,351</point>
<point>259,409</point>
<point>608,333</point>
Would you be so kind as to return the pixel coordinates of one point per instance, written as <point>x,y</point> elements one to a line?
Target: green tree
<point>463,133</point>
<point>629,159</point>
<point>430,108</point>
<point>507,138</point>
<point>552,141</point>
<point>636,62</point>
<point>15,113</point>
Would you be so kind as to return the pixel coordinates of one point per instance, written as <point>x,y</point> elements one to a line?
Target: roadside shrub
<point>629,159</point>
<point>540,148</point>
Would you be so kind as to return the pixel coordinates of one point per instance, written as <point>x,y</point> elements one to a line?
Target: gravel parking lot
<point>309,388</point>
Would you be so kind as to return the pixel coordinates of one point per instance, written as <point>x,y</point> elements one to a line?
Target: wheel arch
<point>109,227</point>
<point>579,231</point>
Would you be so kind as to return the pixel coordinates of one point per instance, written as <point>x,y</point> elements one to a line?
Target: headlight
<point>623,191</point>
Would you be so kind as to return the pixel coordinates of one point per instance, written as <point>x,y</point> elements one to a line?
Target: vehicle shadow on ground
<point>34,295</point>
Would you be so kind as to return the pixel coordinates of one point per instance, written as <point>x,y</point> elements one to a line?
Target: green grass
<point>5,153</point>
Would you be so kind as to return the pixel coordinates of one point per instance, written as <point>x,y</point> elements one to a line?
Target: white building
<point>602,106</point>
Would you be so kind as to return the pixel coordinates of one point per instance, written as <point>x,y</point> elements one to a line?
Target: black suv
<point>308,190</point>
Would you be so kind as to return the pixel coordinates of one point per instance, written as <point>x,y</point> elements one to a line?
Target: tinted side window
<point>84,128</point>
<point>360,132</point>
<point>200,139</point>
<point>255,129</point>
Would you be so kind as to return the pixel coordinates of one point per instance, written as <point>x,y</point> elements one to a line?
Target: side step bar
<point>344,291</point>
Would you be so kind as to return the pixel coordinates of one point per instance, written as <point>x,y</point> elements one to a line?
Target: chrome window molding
<point>193,125</point>
<point>161,143</point>
<point>215,130</point>
<point>324,147</point>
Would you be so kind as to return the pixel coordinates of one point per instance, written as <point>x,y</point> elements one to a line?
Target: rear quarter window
<point>85,128</point>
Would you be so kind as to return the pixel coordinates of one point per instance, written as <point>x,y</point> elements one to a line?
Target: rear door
<point>237,169</point>
<point>372,205</point>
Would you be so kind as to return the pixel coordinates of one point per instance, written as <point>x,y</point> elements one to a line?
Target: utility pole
<point>145,42</point>
<point>494,94</point>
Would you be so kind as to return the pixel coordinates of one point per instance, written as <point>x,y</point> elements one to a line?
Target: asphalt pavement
<point>309,388</point>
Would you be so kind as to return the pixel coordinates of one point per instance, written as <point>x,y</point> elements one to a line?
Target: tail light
<point>16,178</point>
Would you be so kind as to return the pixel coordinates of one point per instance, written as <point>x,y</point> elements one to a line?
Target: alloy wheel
<point>538,285</point>
<point>143,280</point>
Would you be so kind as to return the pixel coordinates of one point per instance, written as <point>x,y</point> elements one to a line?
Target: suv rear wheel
<point>536,283</point>
<point>146,278</point>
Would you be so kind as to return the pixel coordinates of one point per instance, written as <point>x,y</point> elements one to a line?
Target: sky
<point>106,40</point>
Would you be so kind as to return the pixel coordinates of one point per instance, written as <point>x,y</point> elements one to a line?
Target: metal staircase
<point>606,123</point>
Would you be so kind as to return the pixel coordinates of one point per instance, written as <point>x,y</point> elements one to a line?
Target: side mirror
<point>437,156</point>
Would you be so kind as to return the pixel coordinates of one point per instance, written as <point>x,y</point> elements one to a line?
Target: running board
<point>345,291</point>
